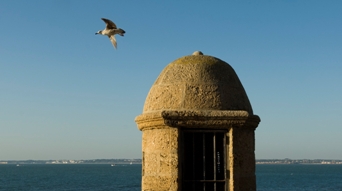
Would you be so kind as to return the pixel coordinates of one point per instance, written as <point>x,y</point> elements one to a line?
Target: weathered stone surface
<point>196,119</point>
<point>159,183</point>
<point>160,158</point>
<point>241,159</point>
<point>163,97</point>
<point>197,82</point>
<point>196,91</point>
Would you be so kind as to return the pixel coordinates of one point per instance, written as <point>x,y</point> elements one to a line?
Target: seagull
<point>110,31</point>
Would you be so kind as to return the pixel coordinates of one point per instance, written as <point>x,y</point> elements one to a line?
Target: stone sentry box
<point>198,129</point>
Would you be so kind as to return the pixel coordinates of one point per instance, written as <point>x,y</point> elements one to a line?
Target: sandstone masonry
<point>198,95</point>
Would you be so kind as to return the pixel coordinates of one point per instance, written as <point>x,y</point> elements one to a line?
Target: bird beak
<point>96,33</point>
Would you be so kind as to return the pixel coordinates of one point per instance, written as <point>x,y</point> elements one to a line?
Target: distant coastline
<point>298,161</point>
<point>92,161</point>
<point>139,161</point>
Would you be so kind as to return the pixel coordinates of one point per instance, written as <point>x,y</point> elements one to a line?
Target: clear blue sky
<point>66,93</point>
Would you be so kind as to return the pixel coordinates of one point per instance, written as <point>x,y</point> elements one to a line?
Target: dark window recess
<point>204,159</point>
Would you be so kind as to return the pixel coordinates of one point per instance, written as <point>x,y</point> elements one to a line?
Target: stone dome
<point>197,82</point>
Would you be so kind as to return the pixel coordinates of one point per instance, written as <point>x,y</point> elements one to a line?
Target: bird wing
<point>113,40</point>
<point>109,23</point>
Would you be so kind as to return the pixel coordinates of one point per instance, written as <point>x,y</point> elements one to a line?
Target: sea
<point>104,177</point>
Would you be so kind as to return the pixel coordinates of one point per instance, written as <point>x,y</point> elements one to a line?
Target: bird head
<point>98,32</point>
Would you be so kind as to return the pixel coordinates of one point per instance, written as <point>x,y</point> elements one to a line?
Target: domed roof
<point>197,82</point>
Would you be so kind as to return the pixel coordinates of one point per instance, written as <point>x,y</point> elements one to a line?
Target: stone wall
<point>160,159</point>
<point>242,159</point>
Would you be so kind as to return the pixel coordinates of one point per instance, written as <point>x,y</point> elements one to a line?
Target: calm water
<point>54,177</point>
<point>127,178</point>
<point>299,177</point>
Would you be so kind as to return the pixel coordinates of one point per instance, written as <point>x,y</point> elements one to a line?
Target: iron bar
<point>214,147</point>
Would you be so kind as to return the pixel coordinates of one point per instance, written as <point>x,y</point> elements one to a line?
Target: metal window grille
<point>204,160</point>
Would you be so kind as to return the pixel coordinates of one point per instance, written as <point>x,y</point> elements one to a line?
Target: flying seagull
<point>111,30</point>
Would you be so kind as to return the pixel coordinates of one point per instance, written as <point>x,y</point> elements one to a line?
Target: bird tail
<point>121,32</point>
